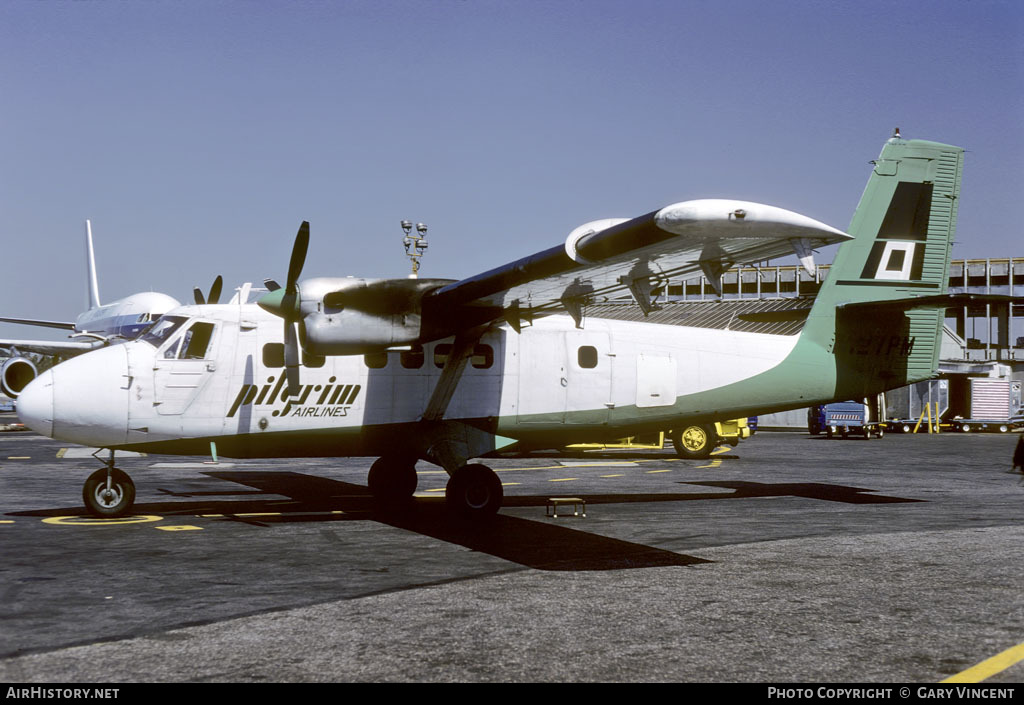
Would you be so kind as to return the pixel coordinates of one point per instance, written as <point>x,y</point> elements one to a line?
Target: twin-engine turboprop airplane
<point>99,325</point>
<point>448,371</point>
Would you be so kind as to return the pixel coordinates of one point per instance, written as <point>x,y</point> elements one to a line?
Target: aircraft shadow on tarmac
<point>534,544</point>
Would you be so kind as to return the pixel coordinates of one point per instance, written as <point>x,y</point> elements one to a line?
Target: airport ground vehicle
<point>691,441</point>
<point>846,418</point>
<point>994,405</point>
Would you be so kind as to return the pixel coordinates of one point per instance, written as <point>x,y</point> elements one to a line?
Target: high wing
<point>598,260</point>
<point>607,258</point>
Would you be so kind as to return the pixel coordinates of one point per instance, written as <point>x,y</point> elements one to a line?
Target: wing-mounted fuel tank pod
<point>352,316</point>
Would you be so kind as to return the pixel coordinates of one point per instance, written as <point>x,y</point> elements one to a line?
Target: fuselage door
<point>182,367</point>
<point>589,361</point>
<point>542,377</point>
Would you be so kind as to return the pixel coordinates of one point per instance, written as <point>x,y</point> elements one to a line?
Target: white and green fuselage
<point>550,383</point>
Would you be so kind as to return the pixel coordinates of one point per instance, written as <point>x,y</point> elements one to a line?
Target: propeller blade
<point>197,294</point>
<point>218,283</point>
<point>286,302</point>
<point>298,257</point>
<point>291,357</point>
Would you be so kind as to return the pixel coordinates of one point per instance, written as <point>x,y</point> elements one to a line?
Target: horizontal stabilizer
<point>937,301</point>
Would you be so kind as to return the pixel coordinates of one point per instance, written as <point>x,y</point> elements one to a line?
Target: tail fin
<point>903,228</point>
<point>92,299</point>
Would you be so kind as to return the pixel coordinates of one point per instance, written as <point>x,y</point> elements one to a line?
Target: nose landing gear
<point>109,492</point>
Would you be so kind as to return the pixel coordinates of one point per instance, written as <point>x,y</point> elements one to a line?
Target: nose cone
<point>35,404</point>
<point>83,400</point>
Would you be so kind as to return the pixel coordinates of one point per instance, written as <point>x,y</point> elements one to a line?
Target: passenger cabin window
<point>586,356</point>
<point>483,357</point>
<point>376,361</point>
<point>309,360</point>
<point>412,359</point>
<point>273,355</point>
<point>441,353</point>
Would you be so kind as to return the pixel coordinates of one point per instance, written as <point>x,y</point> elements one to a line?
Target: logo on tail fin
<point>898,251</point>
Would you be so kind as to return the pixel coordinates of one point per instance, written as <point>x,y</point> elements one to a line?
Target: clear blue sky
<point>197,135</point>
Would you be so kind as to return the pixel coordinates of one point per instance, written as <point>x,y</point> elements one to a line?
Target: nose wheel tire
<point>474,492</point>
<point>108,499</point>
<point>695,442</point>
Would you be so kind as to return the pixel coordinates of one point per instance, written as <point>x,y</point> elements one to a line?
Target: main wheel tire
<point>474,492</point>
<point>114,501</point>
<point>392,479</point>
<point>695,441</point>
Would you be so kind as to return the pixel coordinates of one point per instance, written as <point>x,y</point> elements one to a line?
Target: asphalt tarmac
<point>788,559</point>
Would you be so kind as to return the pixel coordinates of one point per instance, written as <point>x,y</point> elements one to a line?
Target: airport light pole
<point>415,244</point>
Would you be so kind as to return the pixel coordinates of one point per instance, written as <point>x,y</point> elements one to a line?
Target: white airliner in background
<point>99,325</point>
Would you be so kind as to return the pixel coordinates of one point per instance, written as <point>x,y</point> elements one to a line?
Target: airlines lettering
<point>332,400</point>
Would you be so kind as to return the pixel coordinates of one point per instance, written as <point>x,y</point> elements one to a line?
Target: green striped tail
<point>903,228</point>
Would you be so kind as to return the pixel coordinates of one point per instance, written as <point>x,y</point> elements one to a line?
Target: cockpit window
<point>162,330</point>
<point>196,341</point>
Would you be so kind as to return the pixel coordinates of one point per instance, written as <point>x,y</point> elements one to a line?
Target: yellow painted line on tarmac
<point>6,521</point>
<point>619,475</point>
<point>655,472</point>
<point>989,667</point>
<point>93,521</point>
<point>183,527</point>
<point>712,464</point>
<point>723,449</point>
<point>563,479</point>
<point>19,457</point>
<point>509,484</point>
<point>435,489</point>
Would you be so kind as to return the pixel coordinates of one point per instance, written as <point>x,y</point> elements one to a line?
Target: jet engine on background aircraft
<point>15,374</point>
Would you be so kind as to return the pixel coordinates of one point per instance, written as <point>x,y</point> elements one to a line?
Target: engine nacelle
<point>353,332</point>
<point>15,374</point>
<point>356,316</point>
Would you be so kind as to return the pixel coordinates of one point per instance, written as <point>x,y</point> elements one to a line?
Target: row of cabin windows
<point>482,359</point>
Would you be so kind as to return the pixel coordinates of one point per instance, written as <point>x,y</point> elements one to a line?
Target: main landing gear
<point>109,492</point>
<point>473,491</point>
